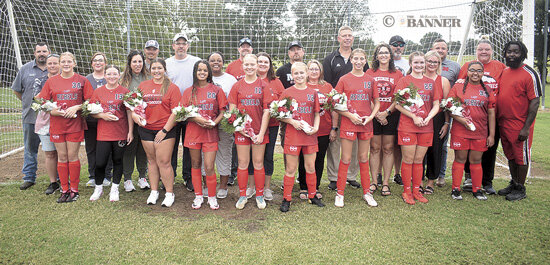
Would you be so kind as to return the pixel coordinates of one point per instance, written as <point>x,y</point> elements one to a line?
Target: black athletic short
<point>149,135</point>
<point>388,129</point>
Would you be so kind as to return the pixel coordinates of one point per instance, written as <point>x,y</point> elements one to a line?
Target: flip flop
<point>385,192</point>
<point>303,195</point>
<point>428,190</point>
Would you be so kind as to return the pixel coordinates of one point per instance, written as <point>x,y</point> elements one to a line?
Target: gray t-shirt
<point>29,82</point>
<point>180,72</point>
<point>136,80</point>
<point>96,82</point>
<point>450,70</point>
<point>403,65</point>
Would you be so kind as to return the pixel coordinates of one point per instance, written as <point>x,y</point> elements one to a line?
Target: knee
<point>258,163</point>
<point>375,149</point>
<point>388,150</point>
<point>51,154</point>
<point>243,163</point>
<point>345,160</point>
<point>363,158</point>
<point>196,164</point>
<point>475,160</point>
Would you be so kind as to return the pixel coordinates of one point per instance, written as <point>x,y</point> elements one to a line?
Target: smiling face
<point>484,52</point>
<point>67,64</point>
<point>151,53</point>
<point>345,38</point>
<point>98,63</point>
<point>441,49</point>
<point>397,48</point>
<point>112,75</point>
<point>383,55</point>
<point>263,65</point>
<point>432,64</point>
<point>513,56</point>
<point>250,66</point>
<point>202,72</point>
<point>314,72</point>
<point>216,63</point>
<point>52,65</point>
<point>157,71</point>
<point>136,64</point>
<point>180,48</point>
<point>245,49</point>
<point>41,54</point>
<point>475,72</point>
<point>296,54</point>
<point>299,73</point>
<point>358,60</point>
<point>418,64</point>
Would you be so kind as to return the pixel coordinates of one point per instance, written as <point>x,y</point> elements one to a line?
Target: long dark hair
<point>127,75</point>
<point>166,81</point>
<point>270,72</point>
<point>376,63</point>
<point>468,78</point>
<point>196,80</point>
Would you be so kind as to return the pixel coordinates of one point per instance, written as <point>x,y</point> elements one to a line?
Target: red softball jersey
<point>211,101</point>
<point>385,81</point>
<point>429,92</point>
<point>325,124</point>
<point>112,101</point>
<point>308,105</point>
<point>159,107</point>
<point>360,91</point>
<point>493,68</point>
<point>235,69</point>
<point>67,92</point>
<point>517,87</point>
<point>253,98</point>
<point>276,88</point>
<point>477,102</point>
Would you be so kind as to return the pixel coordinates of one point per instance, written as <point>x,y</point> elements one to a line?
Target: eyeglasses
<point>398,44</point>
<point>314,69</point>
<point>383,53</point>
<point>181,43</point>
<point>53,55</point>
<point>98,60</point>
<point>479,71</point>
<point>432,62</point>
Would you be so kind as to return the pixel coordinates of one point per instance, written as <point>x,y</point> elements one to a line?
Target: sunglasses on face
<point>398,44</point>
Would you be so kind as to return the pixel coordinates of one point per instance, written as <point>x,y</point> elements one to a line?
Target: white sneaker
<point>260,202</point>
<point>241,202</point>
<point>250,192</point>
<point>129,186</point>
<point>222,194</point>
<point>213,202</point>
<point>168,199</point>
<point>339,200</point>
<point>90,183</point>
<point>153,197</point>
<point>98,190</point>
<point>205,192</point>
<point>142,184</point>
<point>268,194</point>
<point>113,195</point>
<point>106,182</point>
<point>197,202</point>
<point>370,199</point>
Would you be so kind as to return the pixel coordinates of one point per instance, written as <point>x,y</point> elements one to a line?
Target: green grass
<point>539,153</point>
<point>8,99</point>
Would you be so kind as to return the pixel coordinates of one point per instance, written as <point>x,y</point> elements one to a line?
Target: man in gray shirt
<point>26,85</point>
<point>397,45</point>
<point>151,51</point>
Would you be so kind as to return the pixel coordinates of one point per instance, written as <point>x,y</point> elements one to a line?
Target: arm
<point>445,128</point>
<point>433,112</point>
<point>354,117</point>
<point>492,122</point>
<point>18,94</point>
<point>333,132</point>
<point>316,121</point>
<point>258,139</point>
<point>168,126</point>
<point>417,120</point>
<point>374,111</point>
<point>531,115</point>
<point>130,136</point>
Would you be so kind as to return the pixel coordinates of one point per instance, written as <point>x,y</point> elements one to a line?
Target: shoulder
<point>229,77</point>
<point>330,56</point>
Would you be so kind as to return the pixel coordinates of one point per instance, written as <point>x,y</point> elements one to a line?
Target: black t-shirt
<point>284,75</point>
<point>335,66</point>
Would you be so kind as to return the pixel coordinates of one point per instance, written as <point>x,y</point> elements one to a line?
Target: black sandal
<point>319,195</point>
<point>385,192</point>
<point>371,189</point>
<point>421,189</point>
<point>428,190</point>
<point>303,195</point>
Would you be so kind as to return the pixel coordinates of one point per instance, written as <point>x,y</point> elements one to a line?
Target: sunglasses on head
<point>398,44</point>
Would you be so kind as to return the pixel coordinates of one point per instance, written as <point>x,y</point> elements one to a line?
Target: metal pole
<point>466,32</point>
<point>544,60</point>
<point>528,29</point>
<point>349,13</point>
<point>128,23</point>
<point>13,32</point>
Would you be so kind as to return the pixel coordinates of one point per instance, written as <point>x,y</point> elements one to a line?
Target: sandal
<point>319,195</point>
<point>421,189</point>
<point>428,190</point>
<point>385,192</point>
<point>371,189</point>
<point>303,195</point>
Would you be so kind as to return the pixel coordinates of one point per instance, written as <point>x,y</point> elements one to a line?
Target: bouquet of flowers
<point>454,105</point>
<point>410,100</point>
<point>336,101</point>
<point>191,111</point>
<point>134,102</point>
<point>91,108</point>
<point>283,109</point>
<point>40,104</point>
<point>237,120</point>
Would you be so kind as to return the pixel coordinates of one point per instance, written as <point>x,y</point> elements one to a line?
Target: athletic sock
<point>288,183</point>
<point>63,172</point>
<point>342,177</point>
<point>311,180</point>
<point>74,175</point>
<point>259,181</point>
<point>406,176</point>
<point>365,176</point>
<point>196,178</point>
<point>476,172</point>
<point>417,172</point>
<point>242,178</point>
<point>211,183</point>
<point>458,169</point>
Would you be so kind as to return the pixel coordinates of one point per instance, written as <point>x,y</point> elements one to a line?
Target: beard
<point>513,63</point>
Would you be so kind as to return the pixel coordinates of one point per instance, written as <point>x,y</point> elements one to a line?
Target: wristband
<point>335,128</point>
<point>388,111</point>
<point>164,130</point>
<point>447,123</point>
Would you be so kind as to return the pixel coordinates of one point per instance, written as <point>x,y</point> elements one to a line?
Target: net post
<point>528,29</point>
<point>466,32</point>
<point>13,32</point>
<point>544,70</point>
<point>128,24</point>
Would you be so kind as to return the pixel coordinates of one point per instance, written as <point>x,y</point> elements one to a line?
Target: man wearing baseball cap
<point>151,51</point>
<point>398,46</point>
<point>235,68</point>
<point>295,54</point>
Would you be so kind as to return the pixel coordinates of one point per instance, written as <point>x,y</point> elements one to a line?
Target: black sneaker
<point>332,185</point>
<point>73,196</point>
<point>285,206</point>
<point>467,186</point>
<point>231,181</point>
<point>517,194</point>
<point>489,190</point>
<point>508,189</point>
<point>354,184</point>
<point>52,188</point>
<point>379,179</point>
<point>189,186</point>
<point>25,185</point>
<point>397,179</point>
<point>479,195</point>
<point>316,201</point>
<point>455,194</point>
<point>63,198</point>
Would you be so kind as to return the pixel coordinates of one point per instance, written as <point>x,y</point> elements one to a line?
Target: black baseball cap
<point>295,43</point>
<point>395,39</point>
<point>245,40</point>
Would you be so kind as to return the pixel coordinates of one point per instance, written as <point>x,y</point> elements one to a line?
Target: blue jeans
<point>444,158</point>
<point>31,142</point>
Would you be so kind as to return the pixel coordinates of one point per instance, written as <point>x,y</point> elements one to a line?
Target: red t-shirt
<point>429,92</point>
<point>478,102</point>
<point>277,89</point>
<point>112,101</point>
<point>360,91</point>
<point>492,68</point>
<point>385,81</point>
<point>159,107</point>
<point>212,101</point>
<point>67,92</point>
<point>517,87</point>
<point>308,105</point>
<point>235,69</point>
<point>325,124</point>
<point>252,98</point>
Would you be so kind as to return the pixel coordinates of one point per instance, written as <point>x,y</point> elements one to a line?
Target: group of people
<point>373,137</point>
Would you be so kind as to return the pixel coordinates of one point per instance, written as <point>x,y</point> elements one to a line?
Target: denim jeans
<point>31,142</point>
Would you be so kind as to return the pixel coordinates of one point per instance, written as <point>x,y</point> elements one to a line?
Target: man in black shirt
<point>295,54</point>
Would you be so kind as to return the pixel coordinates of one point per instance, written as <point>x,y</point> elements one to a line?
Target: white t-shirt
<point>403,65</point>
<point>180,72</point>
<point>225,81</point>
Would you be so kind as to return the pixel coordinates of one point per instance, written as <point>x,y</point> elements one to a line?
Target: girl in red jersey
<point>251,94</point>
<point>356,123</point>
<point>385,77</point>
<point>157,135</point>
<point>415,130</point>
<point>114,131</point>
<point>328,122</point>
<point>201,133</point>
<point>480,102</point>
<point>69,90</point>
<point>300,139</point>
<point>441,122</point>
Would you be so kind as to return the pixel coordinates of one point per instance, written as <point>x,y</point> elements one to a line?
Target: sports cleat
<point>205,192</point>
<point>419,197</point>
<point>268,194</point>
<point>285,206</point>
<point>397,179</point>
<point>339,200</point>
<point>114,194</point>
<point>511,186</point>
<point>63,198</point>
<point>316,201</point>
<point>222,194</point>
<point>153,197</point>
<point>106,182</point>
<point>479,195</point>
<point>197,202</point>
<point>73,196</point>
<point>231,181</point>
<point>467,186</point>
<point>455,194</point>
<point>260,202</point>
<point>52,188</point>
<point>129,186</point>
<point>354,184</point>
<point>517,194</point>
<point>90,183</point>
<point>370,199</point>
<point>143,184</point>
<point>98,191</point>
<point>241,202</point>
<point>250,192</point>
<point>379,179</point>
<point>189,186</point>
<point>213,202</point>
<point>332,185</point>
<point>407,198</point>
<point>489,190</point>
<point>168,199</point>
